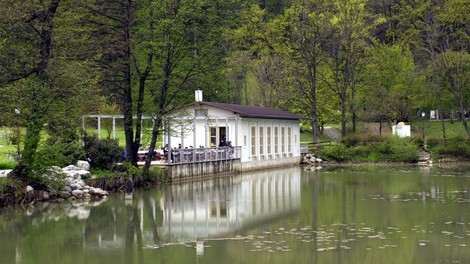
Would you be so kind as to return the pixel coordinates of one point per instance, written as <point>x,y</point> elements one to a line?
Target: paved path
<point>332,133</point>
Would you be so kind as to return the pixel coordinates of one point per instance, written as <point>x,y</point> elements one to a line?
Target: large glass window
<point>289,139</point>
<point>253,141</point>
<point>283,140</point>
<point>213,136</point>
<point>261,142</point>
<point>276,140</point>
<point>268,138</point>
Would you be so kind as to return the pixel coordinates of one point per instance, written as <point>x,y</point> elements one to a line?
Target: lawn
<point>6,148</point>
<point>433,129</point>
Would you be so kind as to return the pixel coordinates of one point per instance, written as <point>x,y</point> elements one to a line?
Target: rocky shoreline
<point>75,188</point>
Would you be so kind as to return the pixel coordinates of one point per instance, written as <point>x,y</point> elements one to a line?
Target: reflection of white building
<point>224,205</point>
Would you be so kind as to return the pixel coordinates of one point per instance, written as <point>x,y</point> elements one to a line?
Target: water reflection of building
<point>195,210</point>
<point>224,205</point>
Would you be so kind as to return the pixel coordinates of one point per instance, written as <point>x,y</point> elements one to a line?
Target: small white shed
<point>401,130</point>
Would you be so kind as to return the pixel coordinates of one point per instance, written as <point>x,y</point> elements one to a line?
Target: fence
<point>311,147</point>
<point>181,156</point>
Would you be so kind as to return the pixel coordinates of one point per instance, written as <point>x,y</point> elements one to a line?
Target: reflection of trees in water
<point>133,229</point>
<point>26,230</point>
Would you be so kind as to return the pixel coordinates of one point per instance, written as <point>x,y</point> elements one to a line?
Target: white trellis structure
<point>113,117</point>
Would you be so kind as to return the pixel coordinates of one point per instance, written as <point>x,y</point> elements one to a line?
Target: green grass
<point>122,138</point>
<point>6,162</point>
<point>306,136</point>
<point>433,129</point>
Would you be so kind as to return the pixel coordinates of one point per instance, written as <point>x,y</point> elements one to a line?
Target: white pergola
<point>113,117</point>
<point>178,122</point>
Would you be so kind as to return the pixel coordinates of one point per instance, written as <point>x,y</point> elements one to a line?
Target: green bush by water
<point>59,154</point>
<point>390,149</point>
<point>456,147</point>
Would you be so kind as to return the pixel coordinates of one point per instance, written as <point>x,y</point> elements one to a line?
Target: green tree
<point>390,84</point>
<point>350,28</point>
<point>43,79</point>
<point>308,25</point>
<point>28,84</point>
<point>431,28</point>
<point>186,51</point>
<point>454,68</point>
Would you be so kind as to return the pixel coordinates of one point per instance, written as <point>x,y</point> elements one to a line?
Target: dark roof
<point>255,111</point>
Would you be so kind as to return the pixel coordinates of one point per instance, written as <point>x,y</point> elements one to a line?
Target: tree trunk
<point>132,146</point>
<point>313,94</point>
<point>343,116</point>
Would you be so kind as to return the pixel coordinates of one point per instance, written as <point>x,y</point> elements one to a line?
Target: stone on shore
<point>75,187</point>
<point>78,193</point>
<point>83,165</point>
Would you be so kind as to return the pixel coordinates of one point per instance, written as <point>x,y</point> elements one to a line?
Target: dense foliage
<point>390,149</point>
<point>102,153</point>
<point>333,61</point>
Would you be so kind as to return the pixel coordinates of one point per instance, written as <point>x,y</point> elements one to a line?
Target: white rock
<point>84,173</point>
<point>69,181</point>
<point>81,183</point>
<point>29,189</point>
<point>71,168</point>
<point>75,186</point>
<point>77,193</point>
<point>83,165</point>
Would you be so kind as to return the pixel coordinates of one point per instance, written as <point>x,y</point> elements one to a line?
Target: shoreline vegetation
<point>15,193</point>
<point>366,149</point>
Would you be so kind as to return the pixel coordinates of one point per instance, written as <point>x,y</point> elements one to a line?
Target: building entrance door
<point>217,135</point>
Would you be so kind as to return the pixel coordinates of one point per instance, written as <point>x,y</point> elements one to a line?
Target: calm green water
<point>342,215</point>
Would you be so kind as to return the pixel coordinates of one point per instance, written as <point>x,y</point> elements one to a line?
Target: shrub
<point>59,154</point>
<point>456,148</point>
<point>393,149</point>
<point>337,152</point>
<point>397,149</point>
<point>52,177</point>
<point>360,153</point>
<point>433,142</point>
<point>102,153</point>
<point>156,174</point>
<point>9,186</point>
<point>351,140</point>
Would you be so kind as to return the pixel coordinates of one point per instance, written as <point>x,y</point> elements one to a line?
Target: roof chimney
<point>198,95</point>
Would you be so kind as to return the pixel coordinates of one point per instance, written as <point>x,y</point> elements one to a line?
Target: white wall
<point>195,132</point>
<point>267,150</point>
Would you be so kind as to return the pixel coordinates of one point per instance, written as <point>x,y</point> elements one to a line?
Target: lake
<point>360,214</point>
